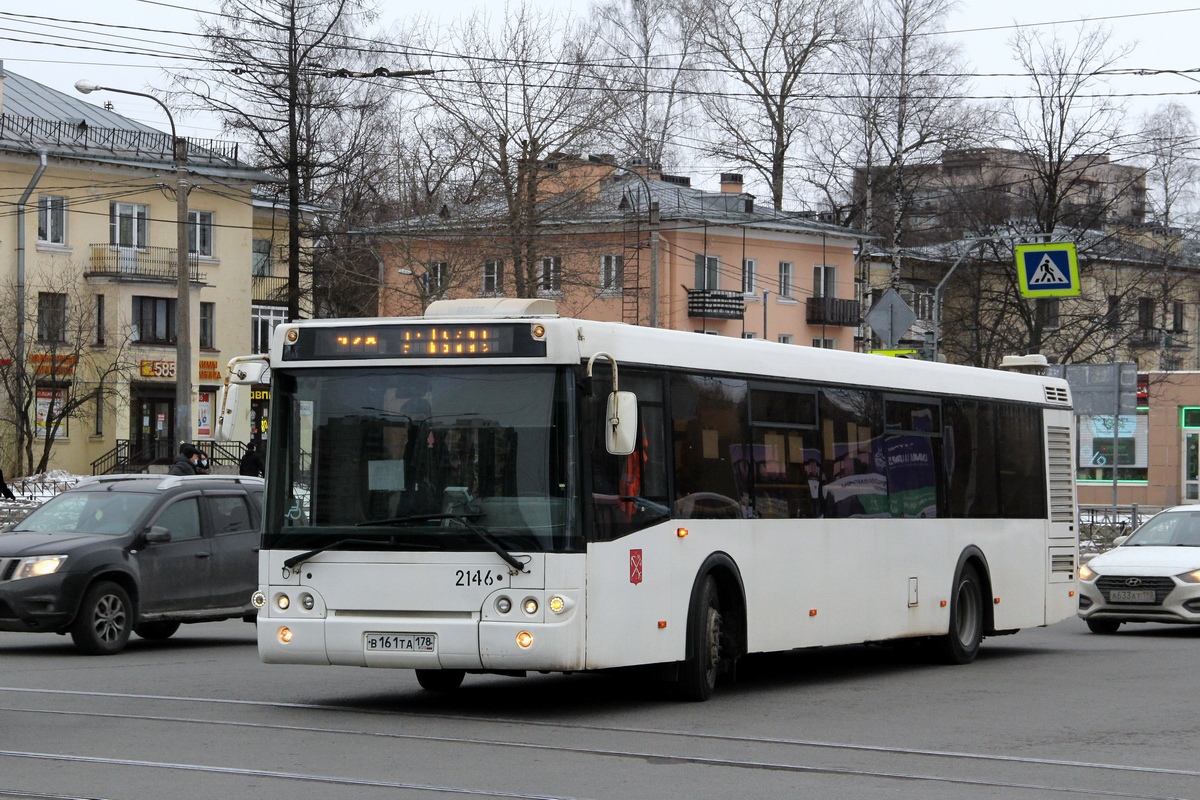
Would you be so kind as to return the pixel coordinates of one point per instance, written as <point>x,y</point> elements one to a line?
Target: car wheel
<point>961,644</point>
<point>698,673</point>
<point>105,620</point>
<point>1103,625</point>
<point>156,631</point>
<point>440,680</point>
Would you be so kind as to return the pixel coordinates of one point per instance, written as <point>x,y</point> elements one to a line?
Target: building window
<point>784,338</point>
<point>749,335</point>
<point>260,258</point>
<point>1112,318</point>
<point>52,317</point>
<point>1178,323</point>
<point>550,278</point>
<point>785,278</point>
<point>825,344</point>
<point>200,233</point>
<point>492,270</point>
<point>263,321</point>
<point>52,219</point>
<point>154,320</point>
<point>1145,313</point>
<point>1047,313</point>
<point>1170,363</point>
<point>208,325</point>
<point>128,224</point>
<point>100,319</point>
<point>708,272</point>
<point>99,414</point>
<point>436,276</point>
<point>612,274</point>
<point>824,281</point>
<point>749,276</point>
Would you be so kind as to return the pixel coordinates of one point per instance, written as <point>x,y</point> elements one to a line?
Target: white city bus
<point>467,492</point>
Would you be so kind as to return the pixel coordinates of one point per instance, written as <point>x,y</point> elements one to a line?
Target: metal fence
<point>1099,525</point>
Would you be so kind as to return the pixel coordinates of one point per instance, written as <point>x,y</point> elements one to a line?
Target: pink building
<point>688,259</point>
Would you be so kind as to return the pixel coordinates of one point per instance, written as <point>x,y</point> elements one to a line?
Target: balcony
<point>1155,337</point>
<point>716,304</point>
<point>140,263</point>
<point>832,311</point>
<point>270,289</point>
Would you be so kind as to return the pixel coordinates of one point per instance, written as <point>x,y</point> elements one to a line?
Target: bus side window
<point>629,492</point>
<point>712,429</point>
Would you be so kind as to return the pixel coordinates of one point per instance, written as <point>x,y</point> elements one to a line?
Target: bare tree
<point>649,50</point>
<point>522,97</point>
<point>763,51</point>
<point>71,370</point>
<point>274,79</point>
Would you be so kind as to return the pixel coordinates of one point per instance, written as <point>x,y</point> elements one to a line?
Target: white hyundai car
<point>1153,575</point>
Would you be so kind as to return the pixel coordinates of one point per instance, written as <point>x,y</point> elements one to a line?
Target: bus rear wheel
<point>961,644</point>
<point>440,680</point>
<point>698,672</point>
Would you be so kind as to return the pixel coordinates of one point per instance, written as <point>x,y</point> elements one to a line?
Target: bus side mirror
<point>227,414</point>
<point>620,432</point>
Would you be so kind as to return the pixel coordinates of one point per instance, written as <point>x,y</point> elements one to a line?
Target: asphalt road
<point>1050,713</point>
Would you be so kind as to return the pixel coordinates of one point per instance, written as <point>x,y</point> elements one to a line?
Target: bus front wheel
<point>440,680</point>
<point>961,644</point>
<point>698,672</point>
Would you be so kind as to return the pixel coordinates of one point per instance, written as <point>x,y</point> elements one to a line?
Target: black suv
<point>139,553</point>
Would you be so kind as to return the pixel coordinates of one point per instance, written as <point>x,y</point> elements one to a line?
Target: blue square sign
<point>1048,270</point>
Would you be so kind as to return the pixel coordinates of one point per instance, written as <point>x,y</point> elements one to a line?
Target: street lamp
<point>183,302</point>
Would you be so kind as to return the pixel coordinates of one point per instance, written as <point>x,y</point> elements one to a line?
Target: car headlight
<point>1190,577</point>
<point>1086,573</point>
<point>36,566</point>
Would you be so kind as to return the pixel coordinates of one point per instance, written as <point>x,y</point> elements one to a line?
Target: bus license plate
<point>1131,596</point>
<point>400,642</point>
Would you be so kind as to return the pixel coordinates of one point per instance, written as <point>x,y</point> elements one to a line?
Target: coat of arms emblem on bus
<point>635,566</point>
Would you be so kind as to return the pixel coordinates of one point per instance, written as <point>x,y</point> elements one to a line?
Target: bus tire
<point>961,643</point>
<point>698,672</point>
<point>440,680</point>
<point>1103,625</point>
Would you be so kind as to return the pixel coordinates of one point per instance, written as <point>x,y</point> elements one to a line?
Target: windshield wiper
<point>294,560</point>
<point>491,541</point>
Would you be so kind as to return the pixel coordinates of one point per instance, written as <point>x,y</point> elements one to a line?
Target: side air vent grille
<point>1062,562</point>
<point>1062,474</point>
<point>1057,395</point>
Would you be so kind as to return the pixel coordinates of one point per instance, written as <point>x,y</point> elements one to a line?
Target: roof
<point>34,117</point>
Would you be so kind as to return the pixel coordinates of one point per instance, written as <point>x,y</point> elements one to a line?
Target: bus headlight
<point>282,601</point>
<point>556,604</point>
<point>258,599</point>
<point>524,640</point>
<point>284,634</point>
<point>503,605</point>
<point>530,606</point>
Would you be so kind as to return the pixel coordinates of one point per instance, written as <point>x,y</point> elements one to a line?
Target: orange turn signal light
<point>681,532</point>
<point>812,612</point>
<point>662,623</point>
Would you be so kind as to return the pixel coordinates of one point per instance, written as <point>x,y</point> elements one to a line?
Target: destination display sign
<point>415,341</point>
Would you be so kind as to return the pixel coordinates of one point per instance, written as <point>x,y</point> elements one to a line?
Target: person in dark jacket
<point>4,490</point>
<point>252,463</point>
<point>185,462</point>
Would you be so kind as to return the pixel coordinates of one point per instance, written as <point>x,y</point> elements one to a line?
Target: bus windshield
<point>422,458</point>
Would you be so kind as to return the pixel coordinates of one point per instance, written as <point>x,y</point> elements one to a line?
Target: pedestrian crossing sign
<point>1048,270</point>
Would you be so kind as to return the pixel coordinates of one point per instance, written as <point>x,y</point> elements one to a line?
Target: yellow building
<point>89,243</point>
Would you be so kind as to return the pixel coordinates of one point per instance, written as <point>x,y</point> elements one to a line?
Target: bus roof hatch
<point>491,307</point>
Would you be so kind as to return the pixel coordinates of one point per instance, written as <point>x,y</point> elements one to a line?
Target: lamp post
<point>183,301</point>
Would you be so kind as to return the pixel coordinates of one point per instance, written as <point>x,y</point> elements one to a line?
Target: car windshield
<point>1170,529</point>
<point>426,458</point>
<point>105,512</point>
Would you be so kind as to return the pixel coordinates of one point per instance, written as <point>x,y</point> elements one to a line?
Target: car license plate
<point>400,642</point>
<point>1131,596</point>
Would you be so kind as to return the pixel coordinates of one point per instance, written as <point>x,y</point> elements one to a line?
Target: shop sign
<point>158,369</point>
<point>209,370</point>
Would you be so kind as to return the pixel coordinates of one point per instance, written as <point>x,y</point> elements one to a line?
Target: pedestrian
<point>252,463</point>
<point>4,490</point>
<point>185,462</point>
<point>202,467</point>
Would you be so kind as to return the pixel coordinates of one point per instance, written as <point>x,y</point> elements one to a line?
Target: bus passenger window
<point>712,469</point>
